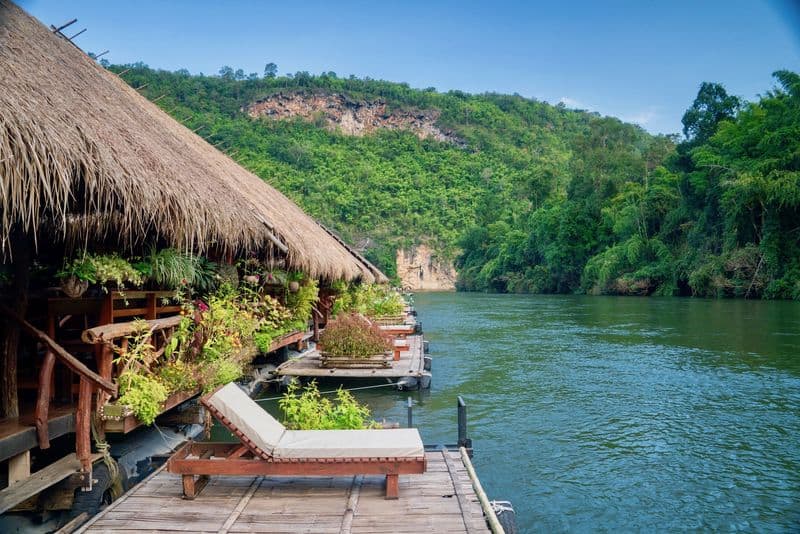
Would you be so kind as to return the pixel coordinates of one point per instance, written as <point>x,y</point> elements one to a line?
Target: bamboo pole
<point>491,516</point>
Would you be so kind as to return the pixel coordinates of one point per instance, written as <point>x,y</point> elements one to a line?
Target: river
<point>619,414</point>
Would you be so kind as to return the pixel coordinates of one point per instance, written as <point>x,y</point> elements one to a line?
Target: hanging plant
<point>76,276</point>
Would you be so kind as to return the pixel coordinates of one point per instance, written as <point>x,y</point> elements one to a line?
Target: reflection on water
<point>596,413</point>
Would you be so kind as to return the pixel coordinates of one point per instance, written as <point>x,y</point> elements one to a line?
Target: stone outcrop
<point>351,117</point>
<point>418,270</point>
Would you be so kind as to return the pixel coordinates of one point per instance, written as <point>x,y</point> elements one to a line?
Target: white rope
<point>164,437</point>
<point>390,384</point>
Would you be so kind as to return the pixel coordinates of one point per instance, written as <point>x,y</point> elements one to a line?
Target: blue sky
<point>641,60</point>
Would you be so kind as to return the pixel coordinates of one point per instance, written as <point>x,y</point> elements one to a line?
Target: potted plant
<point>76,276</point>
<point>113,271</point>
<point>352,341</point>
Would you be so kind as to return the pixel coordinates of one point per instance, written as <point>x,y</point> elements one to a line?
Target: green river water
<point>619,414</point>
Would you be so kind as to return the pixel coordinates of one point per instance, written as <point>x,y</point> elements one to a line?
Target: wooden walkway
<point>411,363</point>
<point>442,500</point>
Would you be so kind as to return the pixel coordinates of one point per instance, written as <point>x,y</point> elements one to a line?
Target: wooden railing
<point>114,338</point>
<point>89,381</point>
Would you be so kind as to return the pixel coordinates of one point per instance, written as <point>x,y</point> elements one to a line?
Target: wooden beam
<point>66,358</point>
<point>71,22</point>
<point>110,332</point>
<point>38,481</point>
<point>73,524</point>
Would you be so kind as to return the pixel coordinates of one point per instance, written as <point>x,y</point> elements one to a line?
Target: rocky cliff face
<point>351,117</point>
<point>419,271</point>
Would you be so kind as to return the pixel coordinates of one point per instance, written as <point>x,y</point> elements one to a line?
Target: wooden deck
<point>19,434</point>
<point>442,500</point>
<point>308,364</point>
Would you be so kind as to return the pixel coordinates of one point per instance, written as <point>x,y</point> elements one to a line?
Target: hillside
<point>518,194</point>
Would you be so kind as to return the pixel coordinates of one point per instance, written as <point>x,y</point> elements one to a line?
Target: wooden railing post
<point>83,431</point>
<point>41,416</point>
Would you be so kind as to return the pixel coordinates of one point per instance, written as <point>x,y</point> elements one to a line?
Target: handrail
<point>491,515</point>
<point>110,332</point>
<point>66,358</point>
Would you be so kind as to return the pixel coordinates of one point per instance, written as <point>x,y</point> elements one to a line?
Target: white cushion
<point>248,417</point>
<point>394,443</point>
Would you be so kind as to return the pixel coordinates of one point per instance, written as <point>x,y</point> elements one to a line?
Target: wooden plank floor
<point>441,500</point>
<point>308,364</point>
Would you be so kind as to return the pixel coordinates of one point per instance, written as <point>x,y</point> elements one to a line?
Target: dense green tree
<point>529,197</point>
<point>712,105</point>
<point>270,70</point>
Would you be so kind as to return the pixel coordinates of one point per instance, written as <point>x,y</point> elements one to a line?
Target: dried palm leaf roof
<point>82,150</point>
<point>377,273</point>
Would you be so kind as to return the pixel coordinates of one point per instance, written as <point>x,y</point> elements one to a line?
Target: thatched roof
<point>377,273</point>
<point>83,152</point>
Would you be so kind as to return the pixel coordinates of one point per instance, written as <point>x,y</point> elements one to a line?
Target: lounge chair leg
<point>192,487</point>
<point>392,487</point>
<point>188,487</point>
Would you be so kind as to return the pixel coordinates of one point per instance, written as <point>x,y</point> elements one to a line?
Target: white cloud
<point>642,118</point>
<point>571,103</point>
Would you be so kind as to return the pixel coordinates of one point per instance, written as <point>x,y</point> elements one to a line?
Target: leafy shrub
<point>111,268</point>
<point>351,335</point>
<point>80,268</point>
<point>372,300</point>
<point>309,410</point>
<point>169,268</point>
<point>301,303</point>
<point>178,376</point>
<point>220,372</point>
<point>143,394</point>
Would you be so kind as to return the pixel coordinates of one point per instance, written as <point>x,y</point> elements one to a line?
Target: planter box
<point>119,418</point>
<point>388,320</point>
<point>379,361</point>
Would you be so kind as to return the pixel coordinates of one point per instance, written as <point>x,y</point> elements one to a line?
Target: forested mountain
<point>523,196</point>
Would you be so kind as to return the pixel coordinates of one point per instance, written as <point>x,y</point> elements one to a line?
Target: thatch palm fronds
<point>84,153</point>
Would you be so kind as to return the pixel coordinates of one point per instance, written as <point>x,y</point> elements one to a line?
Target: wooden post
<point>10,330</point>
<point>19,467</point>
<point>392,487</point>
<point>315,316</point>
<point>188,487</point>
<point>105,365</point>
<point>41,416</point>
<point>150,307</point>
<point>83,431</point>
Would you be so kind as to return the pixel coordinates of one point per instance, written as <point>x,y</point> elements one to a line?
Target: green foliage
<point>529,196</point>
<point>81,268</point>
<point>104,269</point>
<point>301,303</point>
<point>309,410</point>
<point>110,268</point>
<point>171,269</point>
<point>177,376</point>
<point>372,300</point>
<point>143,394</point>
<point>351,335</point>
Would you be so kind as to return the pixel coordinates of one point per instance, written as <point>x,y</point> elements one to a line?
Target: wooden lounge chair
<point>268,448</point>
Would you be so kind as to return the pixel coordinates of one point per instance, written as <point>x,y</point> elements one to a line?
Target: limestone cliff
<point>418,270</point>
<point>349,116</point>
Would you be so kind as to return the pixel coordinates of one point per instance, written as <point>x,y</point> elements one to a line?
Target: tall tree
<point>712,106</point>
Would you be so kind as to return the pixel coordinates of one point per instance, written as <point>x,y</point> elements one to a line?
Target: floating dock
<point>410,371</point>
<point>441,500</point>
